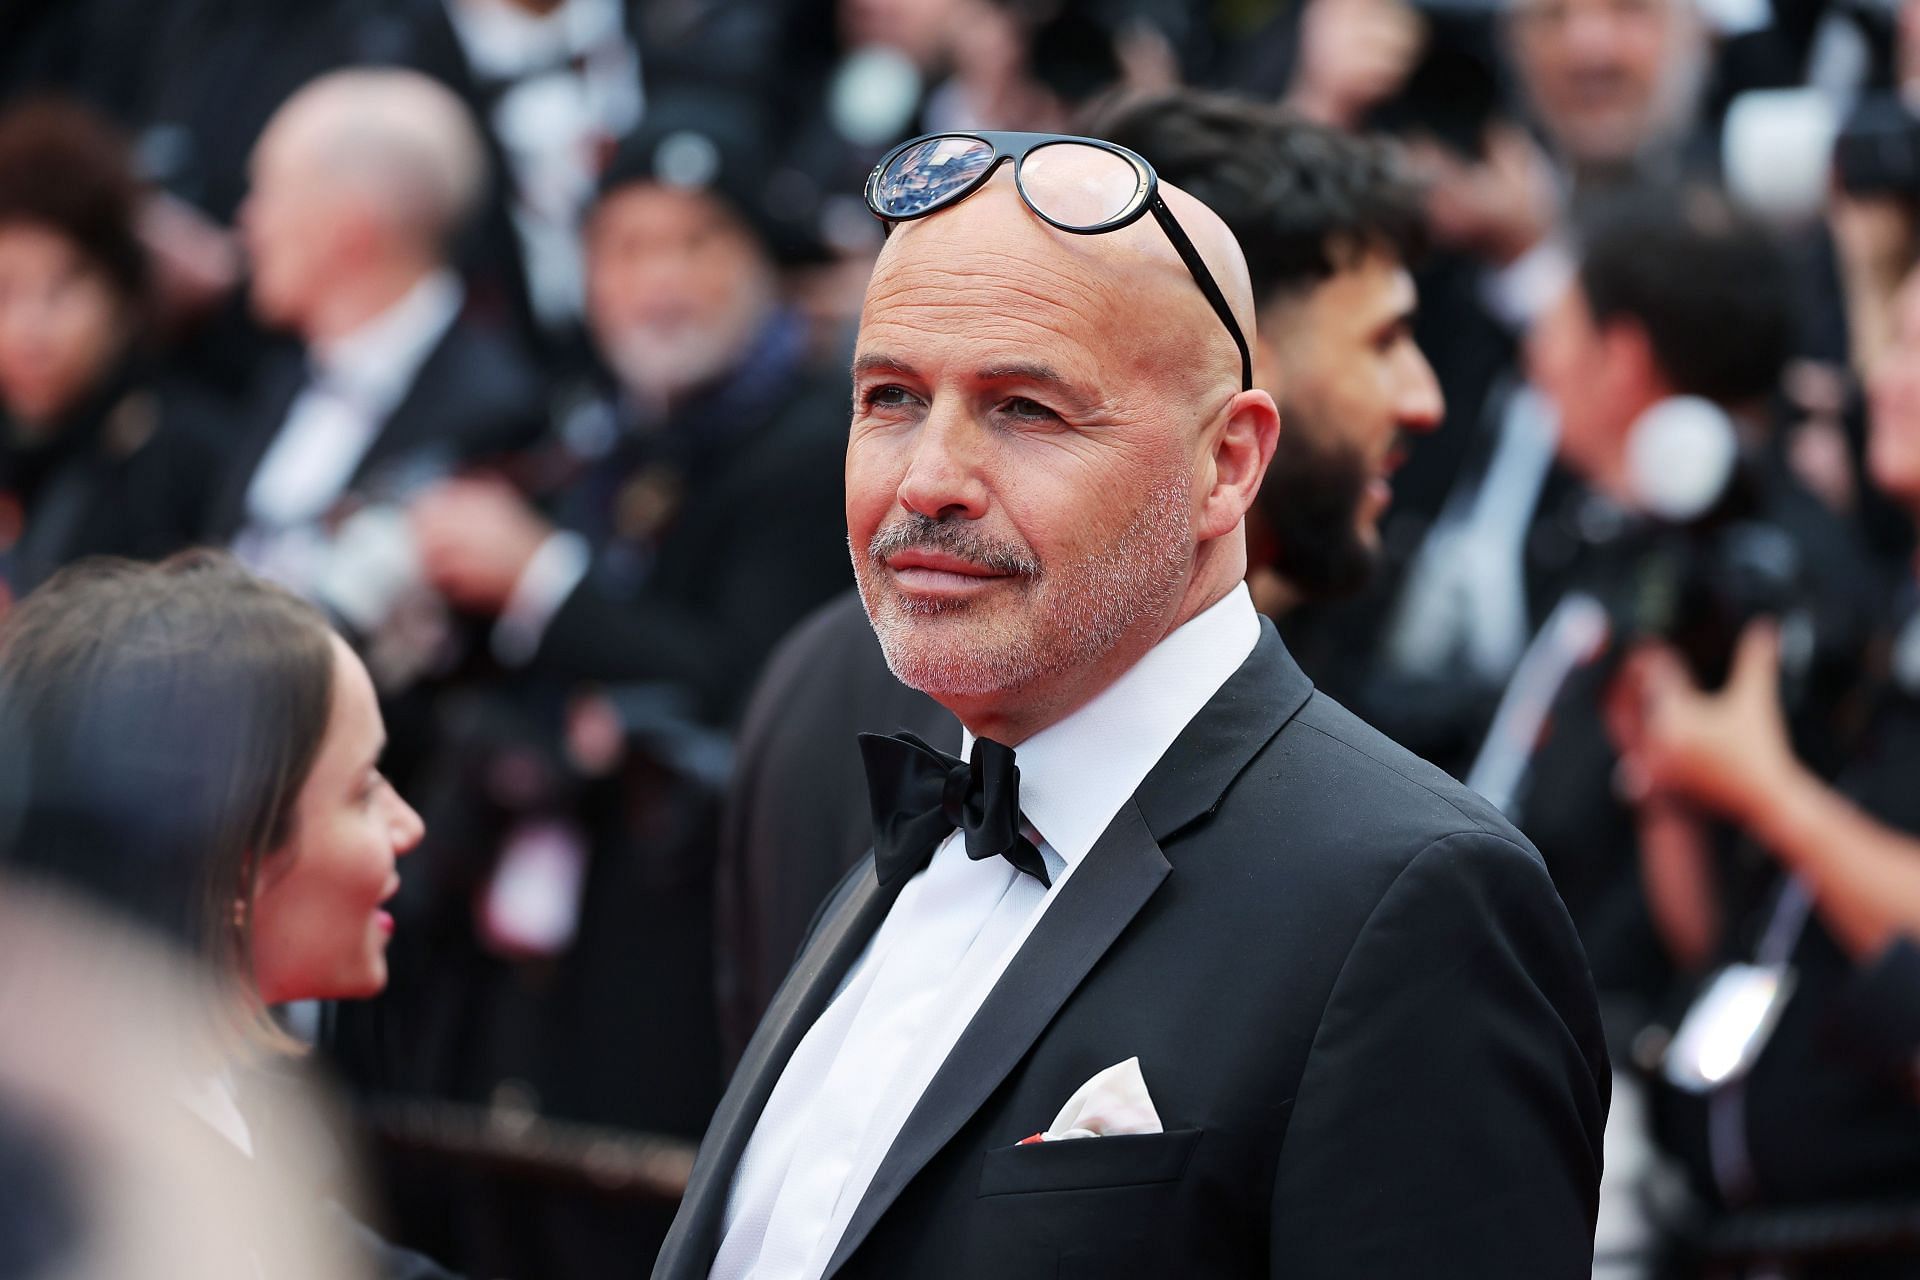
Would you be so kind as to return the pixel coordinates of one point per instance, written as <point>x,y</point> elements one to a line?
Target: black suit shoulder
<point>477,393</point>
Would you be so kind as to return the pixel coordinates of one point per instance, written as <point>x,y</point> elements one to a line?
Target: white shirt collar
<point>1075,774</point>
<point>376,363</point>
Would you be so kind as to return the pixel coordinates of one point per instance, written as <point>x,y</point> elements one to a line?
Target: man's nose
<point>943,475</point>
<point>1422,404</point>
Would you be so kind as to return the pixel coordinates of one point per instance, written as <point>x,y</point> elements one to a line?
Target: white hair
<point>402,140</point>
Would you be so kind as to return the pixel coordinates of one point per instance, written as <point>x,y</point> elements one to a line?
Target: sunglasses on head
<point>1080,185</point>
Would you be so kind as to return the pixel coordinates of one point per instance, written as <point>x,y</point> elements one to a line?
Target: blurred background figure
<point>106,1173</point>
<point>1798,1113</point>
<point>358,188</point>
<point>101,452</point>
<point>260,841</point>
<point>1670,512</point>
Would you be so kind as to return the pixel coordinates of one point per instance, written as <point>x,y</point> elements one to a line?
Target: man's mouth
<point>926,572</point>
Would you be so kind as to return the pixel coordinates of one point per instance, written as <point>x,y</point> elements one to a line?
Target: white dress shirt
<point>359,380</point>
<point>956,926</point>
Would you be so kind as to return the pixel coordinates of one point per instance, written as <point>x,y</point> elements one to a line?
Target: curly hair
<point>64,168</point>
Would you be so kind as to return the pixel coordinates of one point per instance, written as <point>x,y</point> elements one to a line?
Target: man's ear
<point>1238,451</point>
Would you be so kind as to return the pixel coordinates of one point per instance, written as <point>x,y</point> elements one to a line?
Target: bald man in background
<point>1212,980</point>
<point>359,185</point>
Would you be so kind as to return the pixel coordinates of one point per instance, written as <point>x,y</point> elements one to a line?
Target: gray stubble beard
<point>1142,571</point>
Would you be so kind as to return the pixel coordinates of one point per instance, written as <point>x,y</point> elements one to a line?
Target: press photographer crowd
<point>433,672</point>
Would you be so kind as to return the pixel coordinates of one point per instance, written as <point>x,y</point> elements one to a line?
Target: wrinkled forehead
<point>987,270</point>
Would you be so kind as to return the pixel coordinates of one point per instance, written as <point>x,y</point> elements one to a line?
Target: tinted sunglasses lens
<point>928,174</point>
<point>1080,186</point>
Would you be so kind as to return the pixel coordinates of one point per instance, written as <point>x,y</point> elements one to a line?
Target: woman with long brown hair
<point>195,748</point>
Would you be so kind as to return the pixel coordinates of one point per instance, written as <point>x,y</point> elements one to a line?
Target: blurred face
<point>1355,388</point>
<point>676,287</point>
<point>293,224</point>
<point>61,324</point>
<point>1606,76</point>
<point>917,28</point>
<point>1021,465</point>
<point>319,932</point>
<point>1578,367</point>
<point>1893,438</point>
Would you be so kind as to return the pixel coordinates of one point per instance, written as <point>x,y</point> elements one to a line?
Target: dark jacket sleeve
<point>1448,1121</point>
<point>767,556</point>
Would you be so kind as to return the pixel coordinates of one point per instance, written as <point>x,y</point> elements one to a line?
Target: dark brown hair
<point>157,723</point>
<point>64,168</point>
<point>1305,201</point>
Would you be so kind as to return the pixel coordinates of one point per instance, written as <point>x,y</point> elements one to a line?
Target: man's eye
<point>888,396</point>
<point>1021,407</point>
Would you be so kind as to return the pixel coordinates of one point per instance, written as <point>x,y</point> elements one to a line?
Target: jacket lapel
<point>266,414</point>
<point>846,924</point>
<point>1106,891</point>
<point>1115,880</point>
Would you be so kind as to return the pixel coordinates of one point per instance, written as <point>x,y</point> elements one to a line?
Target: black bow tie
<point>919,794</point>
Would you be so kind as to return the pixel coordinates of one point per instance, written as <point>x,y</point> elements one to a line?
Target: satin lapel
<point>846,926</point>
<point>1106,891</point>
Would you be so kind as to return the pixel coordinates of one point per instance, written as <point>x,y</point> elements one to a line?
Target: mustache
<point>951,537</point>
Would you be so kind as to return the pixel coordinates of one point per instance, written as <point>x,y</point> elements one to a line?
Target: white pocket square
<point>1112,1103</point>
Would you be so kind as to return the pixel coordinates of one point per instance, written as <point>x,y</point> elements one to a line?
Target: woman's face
<point>318,929</point>
<point>61,323</point>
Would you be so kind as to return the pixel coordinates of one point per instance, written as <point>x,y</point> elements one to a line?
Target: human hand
<point>1497,208</point>
<point>1726,751</point>
<point>1354,55</point>
<point>476,538</point>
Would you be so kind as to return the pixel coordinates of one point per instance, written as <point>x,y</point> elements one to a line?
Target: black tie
<point>919,794</point>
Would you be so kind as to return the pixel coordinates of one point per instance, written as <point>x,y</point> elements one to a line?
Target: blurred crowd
<point>512,335</point>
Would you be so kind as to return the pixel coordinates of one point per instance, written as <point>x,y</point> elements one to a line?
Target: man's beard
<point>667,363</point>
<point>1310,501</point>
<point>1073,615</point>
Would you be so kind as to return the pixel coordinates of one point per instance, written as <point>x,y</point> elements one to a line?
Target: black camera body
<point>1878,150</point>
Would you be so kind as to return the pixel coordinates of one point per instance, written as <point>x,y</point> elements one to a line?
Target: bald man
<point>358,187</point>
<point>1185,972</point>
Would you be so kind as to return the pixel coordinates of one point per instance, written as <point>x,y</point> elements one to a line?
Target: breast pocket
<point>1084,1207</point>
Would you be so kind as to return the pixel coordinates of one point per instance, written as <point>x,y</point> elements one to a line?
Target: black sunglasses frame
<point>1146,199</point>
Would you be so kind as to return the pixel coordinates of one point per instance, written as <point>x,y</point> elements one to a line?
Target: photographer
<point>1668,513</point>
<point>1821,1108</point>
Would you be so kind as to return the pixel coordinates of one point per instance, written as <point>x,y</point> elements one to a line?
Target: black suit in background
<point>126,474</point>
<point>712,532</point>
<point>796,815</point>
<point>475,397</point>
<point>1361,1011</point>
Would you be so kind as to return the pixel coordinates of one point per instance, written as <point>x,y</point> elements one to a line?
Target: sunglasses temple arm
<point>1197,267</point>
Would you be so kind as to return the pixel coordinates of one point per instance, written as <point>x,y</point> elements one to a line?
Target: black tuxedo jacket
<point>474,397</point>
<point>1357,1001</point>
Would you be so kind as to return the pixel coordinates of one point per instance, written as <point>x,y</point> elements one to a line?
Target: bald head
<point>1051,456</point>
<point>1125,296</point>
<point>394,139</point>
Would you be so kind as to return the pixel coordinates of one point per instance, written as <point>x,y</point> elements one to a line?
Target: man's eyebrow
<point>879,362</point>
<point>1021,371</point>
